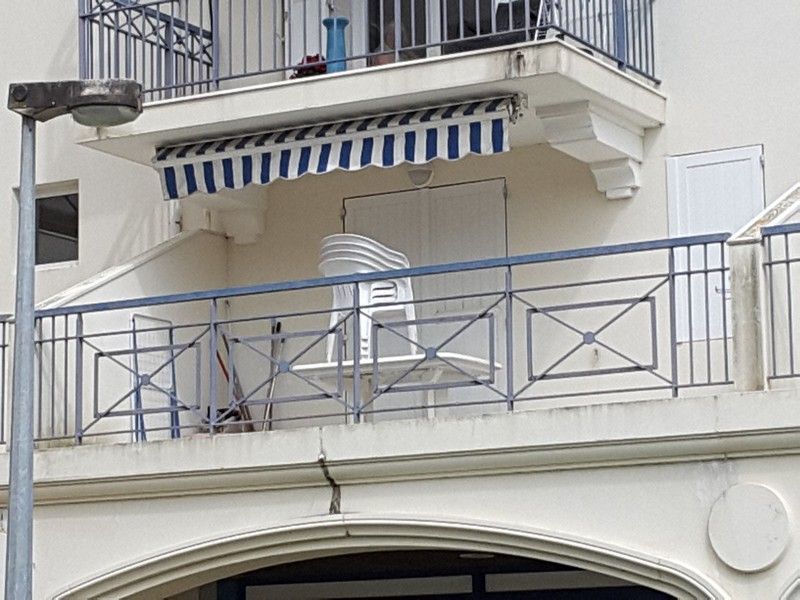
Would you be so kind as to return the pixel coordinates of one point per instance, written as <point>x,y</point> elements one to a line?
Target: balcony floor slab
<point>548,73</point>
<point>629,433</point>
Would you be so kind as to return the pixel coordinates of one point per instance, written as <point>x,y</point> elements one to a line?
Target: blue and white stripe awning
<point>445,132</point>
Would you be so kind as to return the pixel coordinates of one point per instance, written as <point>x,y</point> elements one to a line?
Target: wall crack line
<point>335,507</point>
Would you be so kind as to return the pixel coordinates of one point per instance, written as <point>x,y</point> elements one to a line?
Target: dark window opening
<point>56,229</point>
<point>384,26</point>
<point>486,23</point>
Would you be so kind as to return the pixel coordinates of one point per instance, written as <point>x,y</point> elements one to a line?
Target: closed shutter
<point>710,192</point>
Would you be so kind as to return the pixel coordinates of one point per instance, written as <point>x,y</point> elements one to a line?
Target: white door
<point>434,225</point>
<point>710,192</point>
<point>441,225</point>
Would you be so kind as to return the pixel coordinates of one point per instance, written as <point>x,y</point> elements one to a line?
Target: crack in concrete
<point>335,507</point>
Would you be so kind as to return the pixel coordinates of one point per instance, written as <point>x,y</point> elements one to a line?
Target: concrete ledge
<point>548,72</point>
<point>623,433</point>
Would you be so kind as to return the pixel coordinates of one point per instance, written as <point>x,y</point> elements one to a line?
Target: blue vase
<point>336,53</point>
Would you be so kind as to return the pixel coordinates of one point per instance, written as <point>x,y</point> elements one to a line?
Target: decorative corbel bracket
<point>611,146</point>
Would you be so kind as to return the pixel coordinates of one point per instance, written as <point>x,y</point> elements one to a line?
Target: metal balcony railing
<point>5,370</point>
<point>632,320</point>
<point>185,47</point>
<point>782,280</point>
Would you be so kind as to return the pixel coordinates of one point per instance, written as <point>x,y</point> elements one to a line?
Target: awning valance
<point>446,132</point>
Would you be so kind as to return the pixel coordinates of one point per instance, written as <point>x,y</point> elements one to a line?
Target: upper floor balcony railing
<point>185,47</point>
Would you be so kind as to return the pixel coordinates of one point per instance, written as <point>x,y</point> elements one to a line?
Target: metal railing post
<point>215,41</point>
<point>169,67</point>
<point>673,325</point>
<point>620,33</point>
<point>82,47</point>
<point>212,374</point>
<point>398,30</point>
<point>3,366</point>
<point>356,345</point>
<point>101,45</point>
<point>509,340</point>
<point>78,379</point>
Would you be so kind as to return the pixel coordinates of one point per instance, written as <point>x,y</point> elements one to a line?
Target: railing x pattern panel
<point>629,321</point>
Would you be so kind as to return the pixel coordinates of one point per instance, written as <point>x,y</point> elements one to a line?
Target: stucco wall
<point>120,211</point>
<point>647,501</point>
<point>724,89</point>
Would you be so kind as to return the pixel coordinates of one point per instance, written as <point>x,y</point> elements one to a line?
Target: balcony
<point>656,319</point>
<point>187,47</point>
<point>582,72</point>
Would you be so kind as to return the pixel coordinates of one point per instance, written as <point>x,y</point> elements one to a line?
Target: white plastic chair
<point>337,243</point>
<point>348,254</point>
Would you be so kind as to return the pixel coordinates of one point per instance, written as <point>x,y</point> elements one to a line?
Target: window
<point>56,228</point>
<point>491,22</point>
<point>383,30</point>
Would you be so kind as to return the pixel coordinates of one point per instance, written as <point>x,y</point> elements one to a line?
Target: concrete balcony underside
<point>576,102</point>
<point>584,437</point>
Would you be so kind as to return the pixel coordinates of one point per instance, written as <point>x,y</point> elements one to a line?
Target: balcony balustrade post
<point>356,346</point>
<point>747,315</point>
<point>212,374</point>
<point>527,20</point>
<point>509,302</point>
<point>169,66</point>
<point>82,33</point>
<point>398,31</point>
<point>620,33</point>
<point>215,41</point>
<point>673,324</point>
<point>3,346</point>
<point>78,379</point>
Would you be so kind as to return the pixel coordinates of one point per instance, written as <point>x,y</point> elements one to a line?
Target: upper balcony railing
<point>184,47</point>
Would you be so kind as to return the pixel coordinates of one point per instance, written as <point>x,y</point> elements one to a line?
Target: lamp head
<point>92,102</point>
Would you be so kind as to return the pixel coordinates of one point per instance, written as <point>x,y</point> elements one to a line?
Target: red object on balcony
<point>313,64</point>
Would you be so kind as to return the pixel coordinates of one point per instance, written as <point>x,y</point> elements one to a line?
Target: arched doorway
<point>429,574</point>
<point>182,571</point>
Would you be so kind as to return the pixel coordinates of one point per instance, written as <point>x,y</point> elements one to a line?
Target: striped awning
<point>420,136</point>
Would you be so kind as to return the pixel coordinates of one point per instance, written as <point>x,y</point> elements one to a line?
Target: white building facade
<point>550,352</point>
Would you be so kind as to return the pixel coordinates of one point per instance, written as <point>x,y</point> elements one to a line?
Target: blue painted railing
<point>781,245</point>
<point>635,319</point>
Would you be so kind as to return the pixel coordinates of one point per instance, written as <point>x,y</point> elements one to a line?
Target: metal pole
<point>19,549</point>
<point>621,33</point>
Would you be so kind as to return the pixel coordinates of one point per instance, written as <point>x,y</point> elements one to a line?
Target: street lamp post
<point>90,102</point>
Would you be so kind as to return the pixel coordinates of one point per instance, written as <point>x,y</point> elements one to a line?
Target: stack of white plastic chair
<point>349,254</point>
